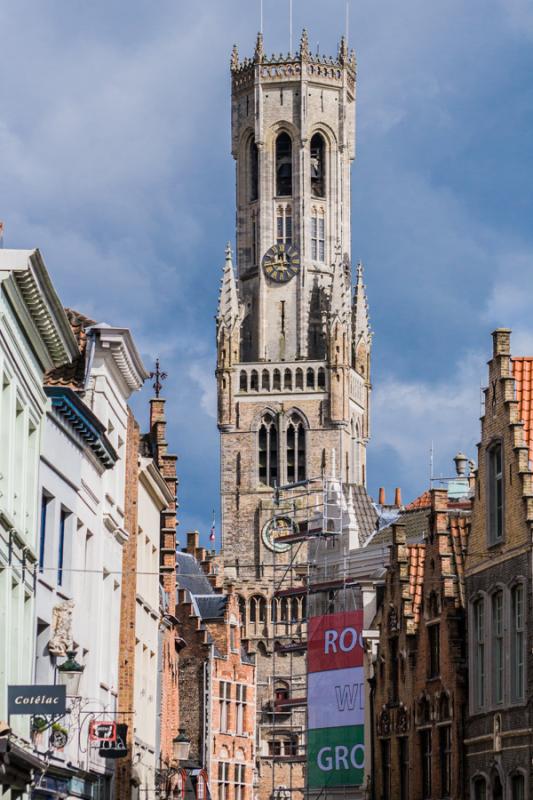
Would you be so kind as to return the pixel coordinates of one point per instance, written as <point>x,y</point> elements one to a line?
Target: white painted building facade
<point>82,535</point>
<point>35,336</point>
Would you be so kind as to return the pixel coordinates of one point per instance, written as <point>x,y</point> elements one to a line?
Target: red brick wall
<point>126,664</point>
<point>169,719</point>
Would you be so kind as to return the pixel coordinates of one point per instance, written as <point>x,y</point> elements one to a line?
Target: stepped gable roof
<point>416,557</point>
<point>458,531</point>
<point>523,374</point>
<point>72,375</point>
<point>190,575</point>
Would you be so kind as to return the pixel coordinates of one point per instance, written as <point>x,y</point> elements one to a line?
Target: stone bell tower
<point>293,335</point>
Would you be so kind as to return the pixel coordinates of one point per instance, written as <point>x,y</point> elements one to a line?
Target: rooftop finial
<point>259,48</point>
<point>234,58</point>
<point>343,51</point>
<point>159,378</point>
<point>304,46</point>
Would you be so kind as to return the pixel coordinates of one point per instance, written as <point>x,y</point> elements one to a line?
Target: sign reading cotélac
<point>36,700</point>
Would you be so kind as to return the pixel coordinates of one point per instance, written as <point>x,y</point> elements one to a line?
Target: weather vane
<point>159,378</point>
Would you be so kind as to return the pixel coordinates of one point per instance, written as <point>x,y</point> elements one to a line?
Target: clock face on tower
<point>281,262</point>
<point>274,529</point>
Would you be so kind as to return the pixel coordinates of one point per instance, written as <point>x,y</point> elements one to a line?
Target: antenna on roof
<point>431,464</point>
<point>290,27</point>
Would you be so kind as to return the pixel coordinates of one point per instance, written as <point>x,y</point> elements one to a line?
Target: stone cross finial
<point>304,46</point>
<point>159,378</point>
<point>259,49</point>
<point>234,58</point>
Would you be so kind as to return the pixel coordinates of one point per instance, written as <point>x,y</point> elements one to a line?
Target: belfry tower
<point>293,335</point>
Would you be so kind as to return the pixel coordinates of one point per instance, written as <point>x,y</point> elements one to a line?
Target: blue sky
<point>114,152</point>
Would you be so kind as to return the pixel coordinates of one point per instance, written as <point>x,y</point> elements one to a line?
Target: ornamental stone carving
<point>61,629</point>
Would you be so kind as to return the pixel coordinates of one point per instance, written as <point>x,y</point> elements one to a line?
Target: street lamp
<point>69,674</point>
<point>181,746</point>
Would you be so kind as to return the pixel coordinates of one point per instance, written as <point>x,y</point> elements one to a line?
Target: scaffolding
<point>316,509</point>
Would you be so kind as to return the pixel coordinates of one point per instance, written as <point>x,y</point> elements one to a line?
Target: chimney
<point>193,540</point>
<point>398,497</point>
<point>501,342</point>
<point>381,499</point>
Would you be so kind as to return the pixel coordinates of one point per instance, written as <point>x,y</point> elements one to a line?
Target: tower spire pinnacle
<point>228,304</point>
<point>259,48</point>
<point>361,319</point>
<point>304,46</point>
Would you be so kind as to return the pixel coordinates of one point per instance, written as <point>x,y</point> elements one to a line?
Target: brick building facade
<point>217,682</point>
<point>419,697</point>
<point>498,587</point>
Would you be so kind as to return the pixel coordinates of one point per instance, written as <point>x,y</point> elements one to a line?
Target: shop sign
<point>31,700</point>
<point>117,748</point>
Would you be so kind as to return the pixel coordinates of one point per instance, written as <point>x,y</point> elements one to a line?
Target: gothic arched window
<point>276,380</point>
<point>295,449</point>
<point>318,166</point>
<point>287,380</point>
<point>268,451</point>
<point>254,381</point>
<point>299,378</point>
<point>310,378</point>
<point>283,165</point>
<point>243,381</point>
<point>321,378</point>
<point>265,380</point>
<point>254,171</point>
<point>257,608</point>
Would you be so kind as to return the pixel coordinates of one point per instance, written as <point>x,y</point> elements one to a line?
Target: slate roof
<point>416,526</point>
<point>72,375</point>
<point>190,575</point>
<point>365,512</point>
<point>210,606</point>
<point>523,375</point>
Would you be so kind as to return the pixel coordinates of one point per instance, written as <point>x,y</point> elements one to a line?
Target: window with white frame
<point>495,493</point>
<point>240,785</point>
<point>241,705</point>
<point>224,703</point>
<point>223,780</point>
<point>284,225</point>
<point>318,235</point>
<point>517,642</point>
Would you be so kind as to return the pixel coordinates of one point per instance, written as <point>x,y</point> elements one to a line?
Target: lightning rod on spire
<point>347,23</point>
<point>261,16</point>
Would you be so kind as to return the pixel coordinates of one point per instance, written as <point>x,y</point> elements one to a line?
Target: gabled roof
<point>190,575</point>
<point>423,501</point>
<point>416,556</point>
<point>523,375</point>
<point>73,374</point>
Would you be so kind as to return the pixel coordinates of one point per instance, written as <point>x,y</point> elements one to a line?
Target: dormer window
<point>283,165</point>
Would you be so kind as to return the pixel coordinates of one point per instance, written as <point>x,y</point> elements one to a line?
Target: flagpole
<point>290,27</point>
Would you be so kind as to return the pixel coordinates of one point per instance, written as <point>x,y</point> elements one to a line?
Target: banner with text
<point>336,700</point>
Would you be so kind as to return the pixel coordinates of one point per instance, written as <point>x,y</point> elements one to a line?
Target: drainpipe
<point>372,684</point>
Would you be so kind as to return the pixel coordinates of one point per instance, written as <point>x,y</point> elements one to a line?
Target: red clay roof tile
<point>523,375</point>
